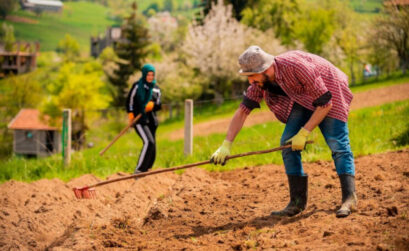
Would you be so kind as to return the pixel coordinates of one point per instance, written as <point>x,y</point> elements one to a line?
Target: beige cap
<point>254,60</point>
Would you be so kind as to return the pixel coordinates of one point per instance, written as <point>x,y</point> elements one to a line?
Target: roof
<point>46,2</point>
<point>30,119</point>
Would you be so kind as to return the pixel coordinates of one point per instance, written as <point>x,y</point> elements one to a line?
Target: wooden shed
<point>99,43</point>
<point>32,134</point>
<point>22,58</point>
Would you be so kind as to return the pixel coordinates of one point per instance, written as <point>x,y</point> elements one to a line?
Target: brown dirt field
<point>17,19</point>
<point>199,210</point>
<point>361,100</point>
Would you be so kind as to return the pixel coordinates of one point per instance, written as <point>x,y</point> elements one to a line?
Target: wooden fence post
<point>66,136</point>
<point>188,126</point>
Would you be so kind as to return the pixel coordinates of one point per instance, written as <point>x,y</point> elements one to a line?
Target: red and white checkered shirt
<point>304,77</point>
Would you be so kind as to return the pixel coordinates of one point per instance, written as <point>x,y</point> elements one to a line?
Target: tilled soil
<point>199,210</point>
<point>364,99</point>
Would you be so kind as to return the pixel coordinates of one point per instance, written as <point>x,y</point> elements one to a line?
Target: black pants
<point>148,154</point>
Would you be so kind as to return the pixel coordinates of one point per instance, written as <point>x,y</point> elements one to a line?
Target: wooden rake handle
<point>120,134</point>
<point>138,175</point>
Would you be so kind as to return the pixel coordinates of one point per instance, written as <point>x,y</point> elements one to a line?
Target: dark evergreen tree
<point>6,7</point>
<point>238,6</point>
<point>131,51</point>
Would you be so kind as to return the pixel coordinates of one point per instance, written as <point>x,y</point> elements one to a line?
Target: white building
<point>41,5</point>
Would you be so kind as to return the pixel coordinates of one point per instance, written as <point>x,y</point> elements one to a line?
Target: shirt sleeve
<point>307,74</point>
<point>251,99</point>
<point>130,100</point>
<point>324,100</point>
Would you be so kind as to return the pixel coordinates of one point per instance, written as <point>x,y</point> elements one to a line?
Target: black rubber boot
<point>349,199</point>
<point>298,196</point>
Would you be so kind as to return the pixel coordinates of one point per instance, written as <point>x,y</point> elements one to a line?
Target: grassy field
<point>372,130</point>
<point>79,19</point>
<point>393,79</point>
<point>366,6</point>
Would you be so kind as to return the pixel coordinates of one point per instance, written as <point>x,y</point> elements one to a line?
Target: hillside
<point>80,19</point>
<point>84,19</point>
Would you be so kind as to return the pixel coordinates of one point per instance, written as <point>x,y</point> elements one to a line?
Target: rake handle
<point>190,165</point>
<point>119,135</point>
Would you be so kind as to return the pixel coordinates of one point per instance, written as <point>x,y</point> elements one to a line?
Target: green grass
<point>366,6</point>
<point>80,19</point>
<point>393,79</point>
<point>372,130</point>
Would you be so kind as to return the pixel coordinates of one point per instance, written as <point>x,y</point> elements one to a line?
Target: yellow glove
<point>219,157</point>
<point>130,117</point>
<point>298,141</point>
<point>149,106</point>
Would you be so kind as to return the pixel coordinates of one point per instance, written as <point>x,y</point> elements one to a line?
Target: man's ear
<point>269,72</point>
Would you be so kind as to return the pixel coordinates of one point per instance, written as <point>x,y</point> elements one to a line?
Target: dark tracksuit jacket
<point>146,126</point>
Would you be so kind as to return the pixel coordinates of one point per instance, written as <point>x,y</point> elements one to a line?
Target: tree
<point>238,6</point>
<point>393,30</point>
<point>314,28</point>
<point>351,45</point>
<point>346,48</point>
<point>81,89</point>
<point>382,56</point>
<point>178,81</point>
<point>7,36</point>
<point>214,47</point>
<point>6,6</point>
<point>279,15</point>
<point>69,47</point>
<point>131,51</point>
<point>151,9</point>
<point>169,5</point>
<point>162,28</point>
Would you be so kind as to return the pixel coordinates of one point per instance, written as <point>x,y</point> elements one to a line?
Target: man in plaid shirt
<point>304,91</point>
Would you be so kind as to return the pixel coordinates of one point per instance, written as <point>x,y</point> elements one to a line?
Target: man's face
<point>150,77</point>
<point>260,79</point>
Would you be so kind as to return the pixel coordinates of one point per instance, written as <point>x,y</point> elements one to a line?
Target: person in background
<point>145,98</point>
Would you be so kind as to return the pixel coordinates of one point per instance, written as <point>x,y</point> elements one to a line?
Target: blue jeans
<point>335,133</point>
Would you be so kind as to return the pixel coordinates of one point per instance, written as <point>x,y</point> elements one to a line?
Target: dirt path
<point>199,210</point>
<point>17,19</point>
<point>361,100</point>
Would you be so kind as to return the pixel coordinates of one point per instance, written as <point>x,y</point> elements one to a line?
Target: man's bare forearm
<point>236,124</point>
<point>317,117</point>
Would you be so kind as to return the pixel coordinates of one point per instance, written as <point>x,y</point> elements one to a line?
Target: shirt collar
<point>277,75</point>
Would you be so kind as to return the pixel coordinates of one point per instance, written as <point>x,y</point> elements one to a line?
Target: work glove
<point>131,117</point>
<point>219,157</point>
<point>149,106</point>
<point>298,141</point>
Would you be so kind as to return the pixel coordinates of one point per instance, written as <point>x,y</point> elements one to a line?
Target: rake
<point>119,135</point>
<point>89,192</point>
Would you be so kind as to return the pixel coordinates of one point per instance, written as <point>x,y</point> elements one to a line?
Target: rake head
<point>84,193</point>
